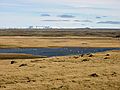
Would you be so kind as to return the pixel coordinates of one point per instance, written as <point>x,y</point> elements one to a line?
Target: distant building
<point>42,27</point>
<point>30,27</point>
<point>39,27</point>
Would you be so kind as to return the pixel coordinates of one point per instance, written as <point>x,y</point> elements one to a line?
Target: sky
<point>60,13</point>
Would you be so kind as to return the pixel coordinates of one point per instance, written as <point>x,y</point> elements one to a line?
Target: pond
<point>56,51</point>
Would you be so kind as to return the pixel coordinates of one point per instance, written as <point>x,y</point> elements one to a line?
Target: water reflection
<point>56,51</point>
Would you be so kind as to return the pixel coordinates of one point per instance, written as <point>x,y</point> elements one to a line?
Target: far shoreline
<point>52,47</point>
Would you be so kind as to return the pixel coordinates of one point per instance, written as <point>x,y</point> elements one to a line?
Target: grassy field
<point>60,32</point>
<point>12,38</point>
<point>36,42</point>
<point>5,56</point>
<point>100,71</point>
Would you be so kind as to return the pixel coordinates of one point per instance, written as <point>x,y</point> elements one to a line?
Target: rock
<point>2,86</point>
<point>82,55</point>
<point>117,36</point>
<point>12,62</point>
<point>23,65</point>
<point>75,57</point>
<point>94,75</point>
<point>107,58</point>
<point>30,80</point>
<point>107,55</point>
<point>42,66</point>
<point>85,60</point>
<point>63,66</point>
<point>90,55</point>
<point>114,74</point>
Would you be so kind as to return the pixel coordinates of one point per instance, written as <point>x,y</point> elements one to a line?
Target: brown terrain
<point>59,38</point>
<point>29,42</point>
<point>95,71</point>
<point>99,71</point>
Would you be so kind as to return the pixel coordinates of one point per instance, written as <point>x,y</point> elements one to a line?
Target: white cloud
<point>29,11</point>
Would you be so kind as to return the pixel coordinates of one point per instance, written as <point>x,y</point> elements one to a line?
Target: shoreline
<point>66,72</point>
<point>9,56</point>
<point>52,47</point>
<point>30,56</point>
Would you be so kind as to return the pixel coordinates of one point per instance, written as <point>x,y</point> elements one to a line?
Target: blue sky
<point>60,13</point>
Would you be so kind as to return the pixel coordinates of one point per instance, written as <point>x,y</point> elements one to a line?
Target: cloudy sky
<point>60,13</point>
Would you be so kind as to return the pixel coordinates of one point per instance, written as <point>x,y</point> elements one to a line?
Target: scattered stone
<point>76,57</point>
<point>23,65</point>
<point>107,55</point>
<point>63,66</point>
<point>12,62</point>
<point>30,80</point>
<point>114,74</point>
<point>82,55</point>
<point>85,60</point>
<point>94,75</point>
<point>107,58</point>
<point>90,55</point>
<point>42,66</point>
<point>117,36</point>
<point>33,80</point>
<point>73,81</point>
<point>2,86</point>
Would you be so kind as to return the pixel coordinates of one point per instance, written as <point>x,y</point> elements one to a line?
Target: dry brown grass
<point>18,56</point>
<point>22,41</point>
<point>97,72</point>
<point>60,32</point>
<point>63,73</point>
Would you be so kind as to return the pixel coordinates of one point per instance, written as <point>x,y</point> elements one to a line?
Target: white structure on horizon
<point>39,27</point>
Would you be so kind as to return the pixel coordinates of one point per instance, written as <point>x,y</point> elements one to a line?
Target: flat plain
<point>99,71</point>
<point>59,38</point>
<point>94,71</point>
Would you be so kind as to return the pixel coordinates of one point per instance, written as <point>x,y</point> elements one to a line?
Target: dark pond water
<point>56,51</point>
